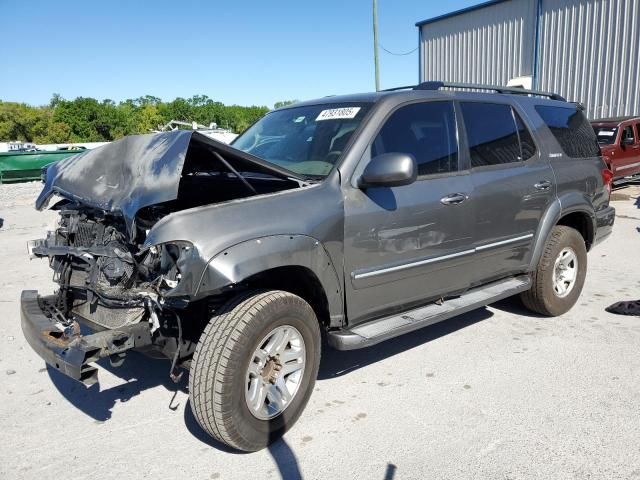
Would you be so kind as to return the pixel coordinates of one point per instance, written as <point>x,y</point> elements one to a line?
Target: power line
<point>397,54</point>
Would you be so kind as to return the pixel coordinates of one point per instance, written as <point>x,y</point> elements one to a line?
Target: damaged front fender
<point>240,262</point>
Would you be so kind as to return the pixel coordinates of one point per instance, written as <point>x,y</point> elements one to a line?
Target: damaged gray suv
<point>355,219</point>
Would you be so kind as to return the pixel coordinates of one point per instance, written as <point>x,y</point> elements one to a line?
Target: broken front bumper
<point>64,348</point>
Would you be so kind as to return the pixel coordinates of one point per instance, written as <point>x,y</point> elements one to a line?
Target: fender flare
<point>570,203</point>
<point>245,259</point>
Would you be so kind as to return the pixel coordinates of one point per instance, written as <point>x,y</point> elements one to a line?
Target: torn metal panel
<point>138,171</point>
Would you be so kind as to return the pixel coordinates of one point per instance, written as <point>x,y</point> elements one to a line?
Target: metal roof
<point>460,12</point>
<point>615,119</point>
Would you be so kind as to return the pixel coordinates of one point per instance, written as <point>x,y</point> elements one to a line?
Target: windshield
<point>305,140</point>
<point>606,135</point>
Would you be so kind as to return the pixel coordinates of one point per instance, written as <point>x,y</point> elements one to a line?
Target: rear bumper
<point>64,348</point>
<point>604,224</point>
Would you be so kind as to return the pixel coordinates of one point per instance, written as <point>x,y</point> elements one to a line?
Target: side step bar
<point>376,331</point>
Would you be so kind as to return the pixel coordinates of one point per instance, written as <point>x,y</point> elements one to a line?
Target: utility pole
<point>375,43</point>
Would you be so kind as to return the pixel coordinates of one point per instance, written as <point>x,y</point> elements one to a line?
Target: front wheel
<point>254,368</point>
<point>559,277</point>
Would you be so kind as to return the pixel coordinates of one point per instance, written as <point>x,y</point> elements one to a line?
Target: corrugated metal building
<point>585,50</point>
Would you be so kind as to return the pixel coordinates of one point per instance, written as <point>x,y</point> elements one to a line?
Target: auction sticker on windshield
<point>338,113</point>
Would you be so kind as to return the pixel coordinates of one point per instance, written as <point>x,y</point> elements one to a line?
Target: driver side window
<point>425,130</point>
<point>627,133</point>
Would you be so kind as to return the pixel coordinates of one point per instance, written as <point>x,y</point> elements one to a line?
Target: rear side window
<point>496,134</point>
<point>425,130</point>
<point>571,129</point>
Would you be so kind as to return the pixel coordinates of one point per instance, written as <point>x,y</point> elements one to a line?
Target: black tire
<point>217,379</point>
<point>542,298</point>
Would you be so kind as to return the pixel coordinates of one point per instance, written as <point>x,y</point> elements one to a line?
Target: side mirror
<point>627,141</point>
<point>389,170</point>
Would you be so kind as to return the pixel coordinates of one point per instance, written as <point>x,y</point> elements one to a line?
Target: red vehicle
<point>619,140</point>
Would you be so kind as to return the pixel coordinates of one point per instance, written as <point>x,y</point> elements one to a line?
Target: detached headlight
<point>166,262</point>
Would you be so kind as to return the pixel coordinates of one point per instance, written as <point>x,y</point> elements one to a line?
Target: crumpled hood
<point>136,171</point>
<point>124,175</point>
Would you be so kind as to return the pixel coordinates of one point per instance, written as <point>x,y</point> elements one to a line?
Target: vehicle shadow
<point>515,306</point>
<point>140,373</point>
<point>337,363</point>
<point>285,459</point>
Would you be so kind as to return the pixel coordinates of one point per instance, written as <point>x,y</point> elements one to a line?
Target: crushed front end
<point>133,294</point>
<point>109,285</point>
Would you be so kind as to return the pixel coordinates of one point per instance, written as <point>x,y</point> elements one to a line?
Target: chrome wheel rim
<point>275,372</point>
<point>565,272</point>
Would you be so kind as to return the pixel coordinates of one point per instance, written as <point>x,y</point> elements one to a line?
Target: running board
<point>376,331</point>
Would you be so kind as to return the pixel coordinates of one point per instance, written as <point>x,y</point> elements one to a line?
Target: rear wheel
<point>254,369</point>
<point>559,277</point>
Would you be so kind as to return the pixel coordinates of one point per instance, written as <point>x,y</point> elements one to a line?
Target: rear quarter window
<point>572,130</point>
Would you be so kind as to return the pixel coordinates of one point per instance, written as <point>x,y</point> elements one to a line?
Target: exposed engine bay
<point>109,284</point>
<point>103,278</point>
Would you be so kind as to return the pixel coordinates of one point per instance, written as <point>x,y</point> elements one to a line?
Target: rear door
<point>512,185</point>
<point>406,245</point>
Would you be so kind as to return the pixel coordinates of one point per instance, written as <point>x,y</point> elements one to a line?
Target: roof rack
<point>436,85</point>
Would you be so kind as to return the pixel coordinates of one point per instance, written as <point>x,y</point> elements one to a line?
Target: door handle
<point>543,185</point>
<point>454,199</point>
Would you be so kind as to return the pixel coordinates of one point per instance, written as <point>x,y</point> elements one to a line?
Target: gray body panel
<point>402,245</point>
<point>312,214</point>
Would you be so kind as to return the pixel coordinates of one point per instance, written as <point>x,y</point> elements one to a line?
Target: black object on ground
<point>625,308</point>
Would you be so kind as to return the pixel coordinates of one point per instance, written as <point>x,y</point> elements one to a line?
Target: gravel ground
<point>496,393</point>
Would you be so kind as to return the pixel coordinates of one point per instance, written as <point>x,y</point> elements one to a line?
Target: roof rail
<point>395,89</point>
<point>436,85</point>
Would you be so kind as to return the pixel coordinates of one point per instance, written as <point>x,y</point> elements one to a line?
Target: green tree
<point>284,103</point>
<point>17,121</point>
<point>87,119</point>
<point>146,118</point>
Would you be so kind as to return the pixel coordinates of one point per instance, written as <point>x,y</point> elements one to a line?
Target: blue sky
<point>244,52</point>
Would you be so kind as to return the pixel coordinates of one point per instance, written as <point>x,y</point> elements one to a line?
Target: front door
<point>628,161</point>
<point>406,245</point>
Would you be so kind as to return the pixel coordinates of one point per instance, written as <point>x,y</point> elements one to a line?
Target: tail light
<point>607,179</point>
